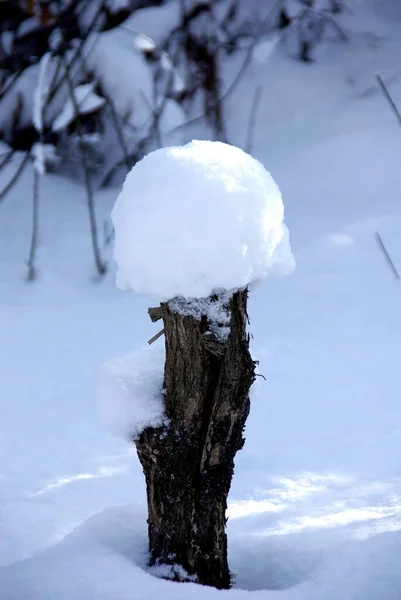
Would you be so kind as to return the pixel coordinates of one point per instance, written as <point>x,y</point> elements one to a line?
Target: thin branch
<point>108,234</point>
<point>35,226</point>
<point>244,66</point>
<point>388,97</point>
<point>252,119</point>
<point>100,266</point>
<point>57,70</point>
<point>156,337</point>
<point>110,174</point>
<point>387,256</point>
<point>156,113</point>
<point>7,158</point>
<point>15,177</point>
<point>260,375</point>
<point>118,128</point>
<point>14,80</point>
<point>76,55</point>
<point>341,33</point>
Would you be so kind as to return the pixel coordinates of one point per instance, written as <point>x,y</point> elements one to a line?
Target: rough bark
<point>188,464</point>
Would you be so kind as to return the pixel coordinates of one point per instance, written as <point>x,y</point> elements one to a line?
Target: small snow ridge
<point>67,480</point>
<point>172,572</point>
<point>341,239</point>
<point>130,392</point>
<point>196,218</point>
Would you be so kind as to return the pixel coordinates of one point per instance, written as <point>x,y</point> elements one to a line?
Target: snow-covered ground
<point>315,506</point>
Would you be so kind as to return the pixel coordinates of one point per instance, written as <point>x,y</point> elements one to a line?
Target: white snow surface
<point>196,218</point>
<point>130,392</point>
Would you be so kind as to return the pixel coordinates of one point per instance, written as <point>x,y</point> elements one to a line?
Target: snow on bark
<point>130,392</point>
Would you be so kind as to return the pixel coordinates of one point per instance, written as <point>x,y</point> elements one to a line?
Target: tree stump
<point>189,463</point>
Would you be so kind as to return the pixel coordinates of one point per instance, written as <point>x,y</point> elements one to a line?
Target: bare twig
<point>260,375</point>
<point>156,337</point>
<point>56,85</point>
<point>244,66</point>
<point>341,33</point>
<point>388,97</point>
<point>157,110</point>
<point>35,227</point>
<point>108,234</point>
<point>39,165</point>
<point>252,119</point>
<point>387,256</point>
<point>10,85</point>
<point>110,174</point>
<point>15,177</point>
<point>7,157</point>
<point>100,266</point>
<point>118,128</point>
<point>156,113</point>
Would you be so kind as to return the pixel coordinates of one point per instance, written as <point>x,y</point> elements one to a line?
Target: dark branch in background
<point>389,99</point>
<point>39,165</point>
<point>387,256</point>
<point>14,80</point>
<point>15,177</point>
<point>395,110</point>
<point>108,234</point>
<point>23,49</point>
<point>283,24</point>
<point>244,66</point>
<point>7,158</point>
<point>118,128</point>
<point>156,111</point>
<point>100,266</point>
<point>54,87</point>
<point>252,119</point>
<point>304,44</point>
<point>114,169</point>
<point>248,57</point>
<point>155,127</point>
<point>35,227</point>
<point>340,30</point>
<point>202,57</point>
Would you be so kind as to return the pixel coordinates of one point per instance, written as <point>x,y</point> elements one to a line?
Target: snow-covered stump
<point>189,463</point>
<point>194,225</point>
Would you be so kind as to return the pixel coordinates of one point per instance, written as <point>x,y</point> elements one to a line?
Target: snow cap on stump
<point>194,219</point>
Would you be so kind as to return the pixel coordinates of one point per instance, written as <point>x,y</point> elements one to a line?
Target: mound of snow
<point>196,218</point>
<point>130,392</point>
